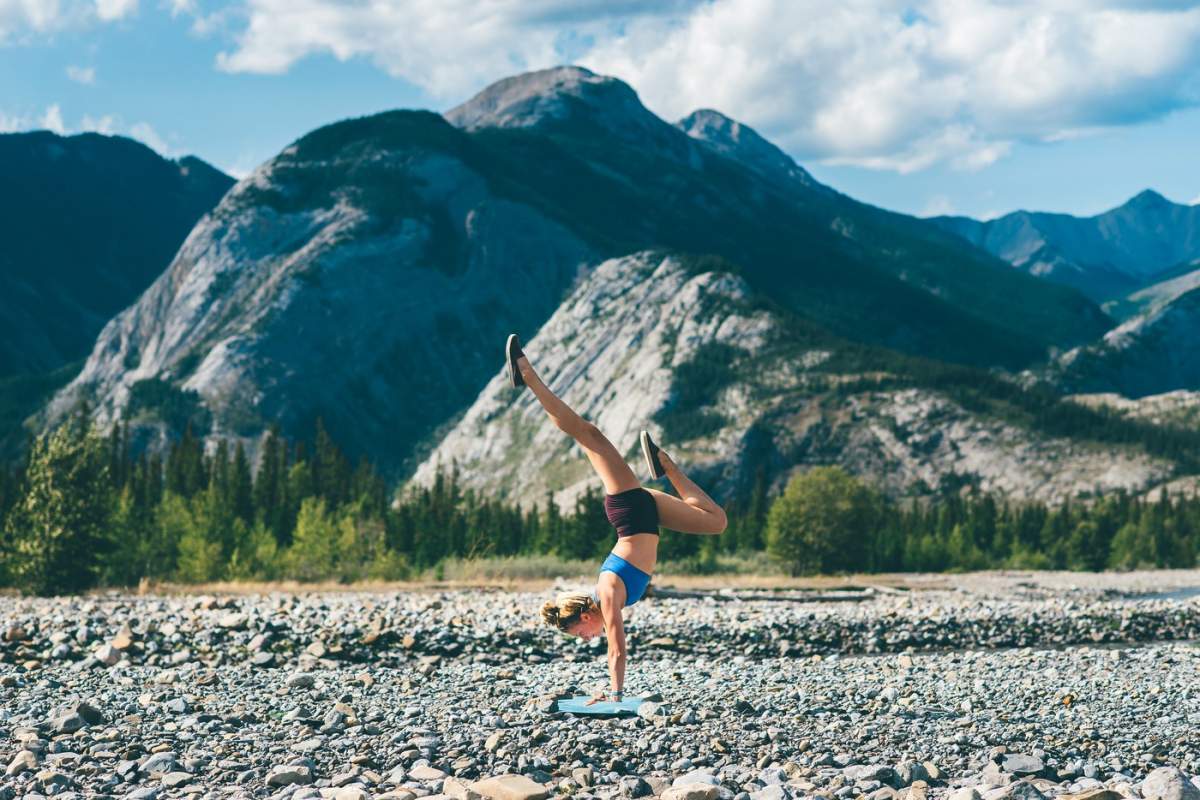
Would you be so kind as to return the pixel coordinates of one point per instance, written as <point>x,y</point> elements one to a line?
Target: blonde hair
<point>567,609</point>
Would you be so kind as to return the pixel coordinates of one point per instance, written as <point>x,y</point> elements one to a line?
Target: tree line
<point>829,521</point>
<point>83,511</point>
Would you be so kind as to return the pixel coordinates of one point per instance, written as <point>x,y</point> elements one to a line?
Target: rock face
<point>573,100</point>
<point>1105,256</point>
<point>1180,408</point>
<point>88,222</point>
<point>1152,353</point>
<point>741,142</point>
<point>358,276</point>
<point>622,348</point>
<point>1178,282</point>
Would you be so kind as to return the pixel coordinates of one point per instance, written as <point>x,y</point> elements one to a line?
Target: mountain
<point>1105,256</point>
<point>367,273</point>
<point>635,181</point>
<point>88,222</point>
<point>1170,285</point>
<point>1152,353</point>
<point>729,386</point>
<point>741,142</point>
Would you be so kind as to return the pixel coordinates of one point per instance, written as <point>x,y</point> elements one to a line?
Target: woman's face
<point>589,625</point>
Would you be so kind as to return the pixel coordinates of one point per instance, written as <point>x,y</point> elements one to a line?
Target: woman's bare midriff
<point>640,549</point>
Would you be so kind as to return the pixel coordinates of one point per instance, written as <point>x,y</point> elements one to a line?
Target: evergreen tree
<point>56,533</point>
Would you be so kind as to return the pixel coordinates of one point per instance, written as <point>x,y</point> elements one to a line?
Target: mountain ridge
<point>363,275</point>
<point>684,349</point>
<point>88,222</point>
<point>1106,255</point>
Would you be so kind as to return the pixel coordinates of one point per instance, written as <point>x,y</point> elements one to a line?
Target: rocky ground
<point>985,687</point>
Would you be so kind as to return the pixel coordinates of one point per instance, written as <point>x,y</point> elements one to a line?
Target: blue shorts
<point>634,579</point>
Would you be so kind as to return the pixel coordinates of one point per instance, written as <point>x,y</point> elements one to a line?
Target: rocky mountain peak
<point>742,143</point>
<point>532,99</point>
<point>576,101</point>
<point>1147,199</point>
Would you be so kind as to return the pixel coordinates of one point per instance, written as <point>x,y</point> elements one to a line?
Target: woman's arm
<point>615,628</point>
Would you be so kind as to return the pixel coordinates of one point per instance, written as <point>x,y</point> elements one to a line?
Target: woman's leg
<point>693,511</point>
<point>607,462</point>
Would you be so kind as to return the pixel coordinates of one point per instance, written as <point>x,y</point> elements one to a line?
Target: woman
<point>635,512</point>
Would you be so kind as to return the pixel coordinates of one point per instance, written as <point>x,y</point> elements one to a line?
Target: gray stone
<point>174,779</point>
<point>1022,764</point>
<point>695,791</point>
<point>289,774</point>
<point>23,761</point>
<point>1169,783</point>
<point>510,787</point>
<point>870,772</point>
<point>1022,790</point>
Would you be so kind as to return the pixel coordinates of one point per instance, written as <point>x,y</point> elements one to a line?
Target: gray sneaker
<point>650,452</point>
<point>513,351</point>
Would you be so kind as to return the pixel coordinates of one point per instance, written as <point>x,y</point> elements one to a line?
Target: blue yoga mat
<point>579,705</point>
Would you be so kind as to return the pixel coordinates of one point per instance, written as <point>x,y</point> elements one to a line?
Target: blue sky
<point>976,107</point>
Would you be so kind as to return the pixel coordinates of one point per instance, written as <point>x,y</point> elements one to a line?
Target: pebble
<point>185,710</point>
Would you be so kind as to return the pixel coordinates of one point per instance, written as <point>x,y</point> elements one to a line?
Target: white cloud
<point>21,18</point>
<point>937,206</point>
<point>52,120</point>
<point>84,75</point>
<point>35,15</point>
<point>1195,201</point>
<point>886,84</point>
<point>145,133</point>
<point>957,81</point>
<point>115,9</point>
<point>106,124</point>
<point>449,48</point>
<point>109,124</point>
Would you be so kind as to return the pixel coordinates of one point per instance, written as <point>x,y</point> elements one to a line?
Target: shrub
<point>823,522</point>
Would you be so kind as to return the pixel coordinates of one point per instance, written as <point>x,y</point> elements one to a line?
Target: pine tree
<point>57,530</point>
<point>241,490</point>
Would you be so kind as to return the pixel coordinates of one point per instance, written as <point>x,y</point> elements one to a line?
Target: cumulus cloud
<point>84,75</point>
<point>51,119</point>
<point>115,9</point>
<point>937,206</point>
<point>448,48</point>
<point>21,18</point>
<point>901,86</point>
<point>36,15</point>
<point>145,133</point>
<point>106,124</point>
<point>885,84</point>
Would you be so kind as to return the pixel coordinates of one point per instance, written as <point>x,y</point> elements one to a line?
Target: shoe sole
<point>646,454</point>
<point>514,376</point>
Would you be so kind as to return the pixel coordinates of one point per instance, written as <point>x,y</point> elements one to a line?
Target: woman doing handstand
<point>634,511</point>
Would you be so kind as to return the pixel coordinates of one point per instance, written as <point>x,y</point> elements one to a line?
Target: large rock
<point>510,787</point>
<point>693,791</point>
<point>288,774</point>
<point>1169,783</point>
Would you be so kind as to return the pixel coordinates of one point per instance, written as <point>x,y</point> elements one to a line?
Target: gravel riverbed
<point>985,687</point>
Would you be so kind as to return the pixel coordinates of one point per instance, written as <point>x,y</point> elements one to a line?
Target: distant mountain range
<point>690,277</point>
<point>88,222</point>
<point>1107,256</point>
<point>365,274</point>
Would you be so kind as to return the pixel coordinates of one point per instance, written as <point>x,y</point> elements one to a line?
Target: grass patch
<point>509,568</point>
